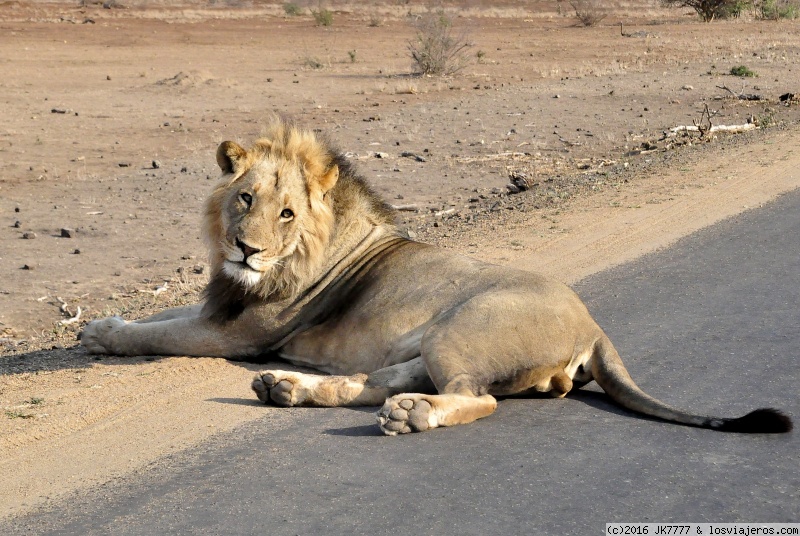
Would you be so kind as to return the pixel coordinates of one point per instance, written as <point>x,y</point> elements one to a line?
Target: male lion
<point>308,264</point>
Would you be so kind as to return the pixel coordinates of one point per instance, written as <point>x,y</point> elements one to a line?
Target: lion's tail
<point>609,372</point>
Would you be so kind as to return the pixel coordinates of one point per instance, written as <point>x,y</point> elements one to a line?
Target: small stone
<point>411,234</point>
<point>156,164</point>
<point>17,224</point>
<point>29,266</point>
<point>67,233</point>
<point>184,169</point>
<point>76,251</point>
<point>198,269</point>
<point>108,77</point>
<point>556,96</point>
<point>16,209</point>
<point>687,87</point>
<point>30,235</point>
<point>123,164</point>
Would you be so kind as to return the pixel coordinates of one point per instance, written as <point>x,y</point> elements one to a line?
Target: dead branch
<point>73,319</point>
<point>407,208</point>
<point>731,129</point>
<point>742,95</point>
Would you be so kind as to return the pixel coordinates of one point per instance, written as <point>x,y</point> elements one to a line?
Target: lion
<point>307,264</point>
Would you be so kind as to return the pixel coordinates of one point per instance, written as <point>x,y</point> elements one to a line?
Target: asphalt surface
<point>711,325</point>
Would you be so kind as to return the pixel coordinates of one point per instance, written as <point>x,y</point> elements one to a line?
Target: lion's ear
<point>229,154</point>
<point>328,180</point>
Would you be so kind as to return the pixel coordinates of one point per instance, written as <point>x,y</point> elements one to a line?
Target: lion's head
<point>272,215</point>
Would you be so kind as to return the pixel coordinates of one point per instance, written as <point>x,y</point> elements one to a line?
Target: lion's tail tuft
<point>760,421</point>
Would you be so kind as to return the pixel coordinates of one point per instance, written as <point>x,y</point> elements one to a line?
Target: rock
<point>30,266</point>
<point>381,155</point>
<point>30,235</point>
<point>184,169</point>
<point>198,269</point>
<point>17,224</point>
<point>67,233</point>
<point>123,164</point>
<point>76,252</point>
<point>16,209</point>
<point>156,164</point>
<point>411,234</point>
<point>687,87</point>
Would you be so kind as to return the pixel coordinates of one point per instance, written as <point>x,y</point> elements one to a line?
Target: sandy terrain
<point>109,131</point>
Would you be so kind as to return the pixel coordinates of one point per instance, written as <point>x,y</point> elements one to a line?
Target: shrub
<point>588,12</point>
<point>292,9</point>
<point>707,9</point>
<point>742,70</point>
<point>778,9</point>
<point>435,50</point>
<point>322,16</point>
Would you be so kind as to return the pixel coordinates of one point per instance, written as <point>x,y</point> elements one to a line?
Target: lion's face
<point>268,221</point>
<point>263,216</point>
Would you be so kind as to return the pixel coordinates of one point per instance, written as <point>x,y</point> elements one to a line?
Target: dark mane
<point>352,186</point>
<point>225,299</point>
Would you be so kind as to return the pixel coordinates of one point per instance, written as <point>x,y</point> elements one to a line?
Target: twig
<point>160,289</point>
<point>742,95</point>
<point>406,208</point>
<point>73,319</point>
<point>444,212</point>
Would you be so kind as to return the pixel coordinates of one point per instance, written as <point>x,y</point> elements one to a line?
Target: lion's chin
<point>242,273</point>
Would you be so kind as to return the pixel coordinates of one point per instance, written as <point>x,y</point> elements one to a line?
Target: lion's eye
<point>247,198</point>
<point>287,214</point>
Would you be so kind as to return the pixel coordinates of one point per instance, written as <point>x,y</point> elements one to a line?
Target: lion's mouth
<point>241,265</point>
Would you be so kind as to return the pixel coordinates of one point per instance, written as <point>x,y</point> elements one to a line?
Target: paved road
<point>712,324</point>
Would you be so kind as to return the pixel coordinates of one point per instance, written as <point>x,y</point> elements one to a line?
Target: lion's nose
<point>246,250</point>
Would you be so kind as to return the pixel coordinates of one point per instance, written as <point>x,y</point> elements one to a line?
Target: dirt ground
<point>111,118</point>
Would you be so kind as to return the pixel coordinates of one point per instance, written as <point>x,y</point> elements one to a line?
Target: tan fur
<point>308,264</point>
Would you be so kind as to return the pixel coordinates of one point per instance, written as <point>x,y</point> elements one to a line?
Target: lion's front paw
<point>406,413</point>
<point>96,337</point>
<point>280,387</point>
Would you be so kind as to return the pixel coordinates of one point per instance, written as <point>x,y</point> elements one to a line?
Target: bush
<point>707,9</point>
<point>588,12</point>
<point>292,9</point>
<point>322,16</point>
<point>778,9</point>
<point>435,50</point>
<point>743,71</point>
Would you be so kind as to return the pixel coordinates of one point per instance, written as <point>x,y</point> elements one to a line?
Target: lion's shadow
<point>19,359</point>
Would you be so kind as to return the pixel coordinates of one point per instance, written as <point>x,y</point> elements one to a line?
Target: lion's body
<point>307,263</point>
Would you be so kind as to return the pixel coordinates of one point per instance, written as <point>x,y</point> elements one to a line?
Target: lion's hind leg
<point>412,412</point>
<point>286,388</point>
